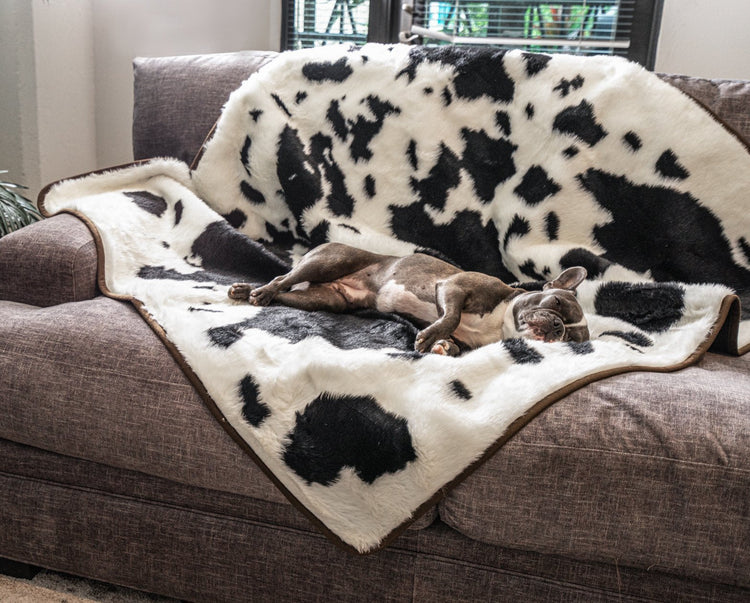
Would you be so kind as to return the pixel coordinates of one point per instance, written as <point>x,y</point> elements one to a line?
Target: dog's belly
<point>476,330</point>
<point>393,297</point>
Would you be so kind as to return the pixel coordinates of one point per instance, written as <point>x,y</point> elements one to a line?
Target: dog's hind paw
<point>240,291</point>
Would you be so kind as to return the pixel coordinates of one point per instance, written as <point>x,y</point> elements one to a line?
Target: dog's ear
<point>568,279</point>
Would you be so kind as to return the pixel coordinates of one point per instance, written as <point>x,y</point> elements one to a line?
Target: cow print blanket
<point>514,164</point>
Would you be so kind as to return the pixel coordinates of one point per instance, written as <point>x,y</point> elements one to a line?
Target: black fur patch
<point>675,237</point>
<point>502,121</point>
<point>411,153</point>
<point>518,228</point>
<point>298,174</point>
<point>744,245</point>
<point>224,250</point>
<point>633,141</point>
<point>460,390</point>
<point>337,120</point>
<point>365,330</point>
<point>254,411</point>
<point>521,351</point>
<point>579,121</point>
<point>236,218</point>
<point>369,186</point>
<point>179,207</point>
<point>469,243</point>
<point>280,104</point>
<point>652,307</point>
<point>340,202</point>
<point>565,85</point>
<point>447,97</point>
<point>201,276</point>
<point>552,226</point>
<point>326,70</point>
<point>529,269</point>
<point>148,202</point>
<point>300,96</point>
<point>594,264</point>
<point>535,62</point>
<point>255,114</point>
<point>319,234</point>
<point>581,347</point>
<point>443,176</point>
<point>632,337</point>
<point>489,161</point>
<point>668,166</point>
<point>529,111</point>
<point>536,186</point>
<point>570,152</point>
<point>337,431</point>
<point>479,71</point>
<point>251,194</point>
<point>364,130</point>
<point>245,154</point>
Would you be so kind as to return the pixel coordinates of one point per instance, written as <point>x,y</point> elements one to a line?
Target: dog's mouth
<point>542,325</point>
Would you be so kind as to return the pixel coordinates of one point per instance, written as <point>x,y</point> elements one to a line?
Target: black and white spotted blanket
<point>514,164</point>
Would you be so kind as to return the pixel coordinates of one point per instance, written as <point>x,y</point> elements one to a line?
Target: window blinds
<point>625,27</point>
<point>578,26</point>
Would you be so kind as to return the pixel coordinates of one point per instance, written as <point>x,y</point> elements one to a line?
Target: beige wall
<point>66,98</point>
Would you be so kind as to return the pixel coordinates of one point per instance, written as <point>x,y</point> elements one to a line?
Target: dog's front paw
<point>262,296</point>
<point>240,291</point>
<point>428,338</point>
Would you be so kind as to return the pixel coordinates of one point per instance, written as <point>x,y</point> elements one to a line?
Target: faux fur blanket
<point>510,163</point>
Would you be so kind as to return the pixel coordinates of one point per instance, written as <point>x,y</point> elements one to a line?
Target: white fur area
<point>454,409</point>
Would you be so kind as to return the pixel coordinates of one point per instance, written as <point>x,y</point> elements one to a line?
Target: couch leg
<point>16,569</point>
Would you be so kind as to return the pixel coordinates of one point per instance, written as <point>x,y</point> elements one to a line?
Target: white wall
<point>66,96</point>
<point>707,38</point>
<point>18,150</point>
<point>124,29</point>
<point>47,92</point>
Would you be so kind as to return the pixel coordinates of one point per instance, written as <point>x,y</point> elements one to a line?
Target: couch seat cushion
<point>643,469</point>
<point>91,380</point>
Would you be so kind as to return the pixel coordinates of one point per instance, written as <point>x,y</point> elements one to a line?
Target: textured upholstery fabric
<point>204,545</point>
<point>124,400</point>
<point>194,88</point>
<point>649,469</point>
<point>49,262</point>
<point>729,99</point>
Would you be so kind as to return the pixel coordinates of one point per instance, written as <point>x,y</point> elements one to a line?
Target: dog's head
<point>552,314</point>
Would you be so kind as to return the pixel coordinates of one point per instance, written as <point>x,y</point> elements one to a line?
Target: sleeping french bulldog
<point>455,309</point>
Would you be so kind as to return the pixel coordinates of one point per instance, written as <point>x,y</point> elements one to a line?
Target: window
<point>624,27</point>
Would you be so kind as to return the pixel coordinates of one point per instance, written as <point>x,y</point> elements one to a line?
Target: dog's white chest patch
<point>393,297</point>
<point>476,330</point>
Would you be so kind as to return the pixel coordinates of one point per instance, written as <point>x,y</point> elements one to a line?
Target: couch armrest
<point>47,263</point>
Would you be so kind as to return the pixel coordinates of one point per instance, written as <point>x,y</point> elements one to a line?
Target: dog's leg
<point>315,297</point>
<point>449,297</point>
<point>325,263</point>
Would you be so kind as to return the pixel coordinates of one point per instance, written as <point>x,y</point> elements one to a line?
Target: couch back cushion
<point>178,99</point>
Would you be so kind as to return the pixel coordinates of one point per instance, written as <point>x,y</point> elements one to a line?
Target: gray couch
<point>636,487</point>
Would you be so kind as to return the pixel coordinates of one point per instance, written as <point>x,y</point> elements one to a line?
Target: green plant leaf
<point>16,211</point>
